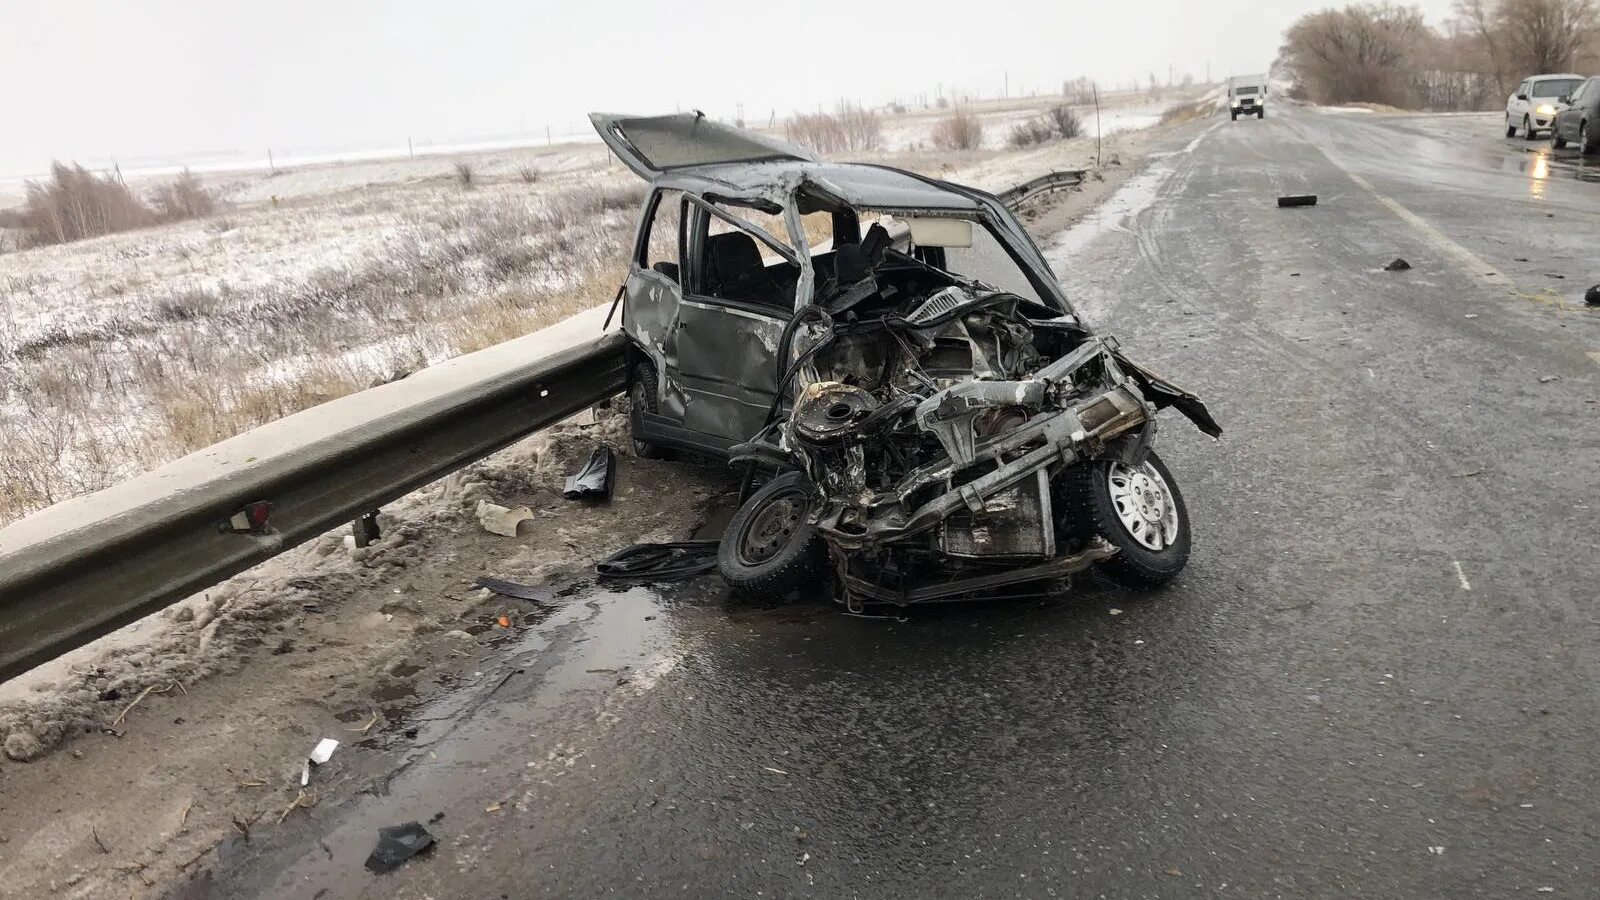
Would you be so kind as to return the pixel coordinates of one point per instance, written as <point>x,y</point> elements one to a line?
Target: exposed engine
<point>933,417</point>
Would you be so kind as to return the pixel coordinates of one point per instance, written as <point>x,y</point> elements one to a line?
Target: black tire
<point>1556,140</point>
<point>1234,115</point>
<point>1261,113</point>
<point>1587,144</point>
<point>1088,509</point>
<point>769,548</point>
<point>1527,130</point>
<point>642,397</point>
<point>1511,127</point>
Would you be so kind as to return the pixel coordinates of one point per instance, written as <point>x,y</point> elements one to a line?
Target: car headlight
<point>1545,109</point>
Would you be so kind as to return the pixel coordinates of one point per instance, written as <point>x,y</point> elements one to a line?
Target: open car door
<point>652,145</point>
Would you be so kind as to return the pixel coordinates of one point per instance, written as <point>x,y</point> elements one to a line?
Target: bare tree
<point>1476,17</point>
<point>1545,35</point>
<point>1362,52</point>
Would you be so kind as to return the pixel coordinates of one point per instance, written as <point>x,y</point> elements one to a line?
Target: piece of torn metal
<point>1592,296</point>
<point>519,591</point>
<point>1297,200</point>
<point>497,519</point>
<point>593,481</point>
<point>1398,265</point>
<point>398,845</point>
<point>676,561</point>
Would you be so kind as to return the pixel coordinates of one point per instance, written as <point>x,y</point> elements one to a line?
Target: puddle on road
<point>472,746</point>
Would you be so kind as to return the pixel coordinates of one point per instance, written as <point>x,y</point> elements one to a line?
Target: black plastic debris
<point>1399,265</point>
<point>593,481</point>
<point>679,561</point>
<point>518,591</point>
<point>1592,297</point>
<point>397,844</point>
<point>1297,200</point>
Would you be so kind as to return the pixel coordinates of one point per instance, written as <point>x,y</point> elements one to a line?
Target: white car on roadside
<point>1532,106</point>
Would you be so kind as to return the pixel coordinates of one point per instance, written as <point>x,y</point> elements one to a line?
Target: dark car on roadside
<point>1577,119</point>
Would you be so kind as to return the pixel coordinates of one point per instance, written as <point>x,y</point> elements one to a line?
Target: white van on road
<point>1532,106</point>
<point>1247,96</point>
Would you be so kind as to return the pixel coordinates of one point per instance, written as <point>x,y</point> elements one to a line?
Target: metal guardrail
<point>1054,181</point>
<point>84,568</point>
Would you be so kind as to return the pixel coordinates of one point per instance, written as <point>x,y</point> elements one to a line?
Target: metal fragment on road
<point>1592,296</point>
<point>1297,200</point>
<point>1398,265</point>
<point>593,481</point>
<point>397,845</point>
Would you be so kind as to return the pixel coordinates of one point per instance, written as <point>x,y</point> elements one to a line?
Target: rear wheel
<point>1138,509</point>
<point>770,546</point>
<point>642,398</point>
<point>1586,142</point>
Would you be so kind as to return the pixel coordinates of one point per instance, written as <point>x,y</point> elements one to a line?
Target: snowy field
<point>121,352</point>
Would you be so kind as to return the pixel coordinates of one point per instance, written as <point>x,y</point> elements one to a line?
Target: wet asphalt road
<point>1377,677</point>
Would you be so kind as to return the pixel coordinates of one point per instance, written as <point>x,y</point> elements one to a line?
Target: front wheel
<point>770,546</point>
<point>1527,129</point>
<point>1137,509</point>
<point>1556,140</point>
<point>1511,127</point>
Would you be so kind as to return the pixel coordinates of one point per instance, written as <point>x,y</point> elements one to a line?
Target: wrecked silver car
<point>894,353</point>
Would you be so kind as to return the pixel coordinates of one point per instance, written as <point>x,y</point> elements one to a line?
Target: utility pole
<point>270,166</point>
<point>410,150</point>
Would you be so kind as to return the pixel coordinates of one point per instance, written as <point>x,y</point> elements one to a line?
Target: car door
<point>738,299</point>
<point>654,295</point>
<point>1571,112</point>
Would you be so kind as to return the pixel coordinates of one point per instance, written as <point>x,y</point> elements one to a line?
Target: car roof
<point>690,152</point>
<point>1565,77</point>
<point>857,184</point>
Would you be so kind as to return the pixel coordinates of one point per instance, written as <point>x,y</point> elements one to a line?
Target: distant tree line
<point>1386,53</point>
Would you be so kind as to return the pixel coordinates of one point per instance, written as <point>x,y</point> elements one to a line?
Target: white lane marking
<point>1461,576</point>
<point>1433,236</point>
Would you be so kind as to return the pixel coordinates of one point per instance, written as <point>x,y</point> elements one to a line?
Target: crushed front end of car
<point>937,435</point>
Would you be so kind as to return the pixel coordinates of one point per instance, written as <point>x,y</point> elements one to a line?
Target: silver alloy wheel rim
<point>1144,505</point>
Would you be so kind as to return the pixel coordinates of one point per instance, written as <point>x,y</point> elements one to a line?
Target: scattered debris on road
<point>1546,379</point>
<point>397,845</point>
<point>1399,265</point>
<point>516,590</point>
<point>1297,200</point>
<point>1592,296</point>
<point>678,561</point>
<point>593,481</point>
<point>497,519</point>
<point>320,754</point>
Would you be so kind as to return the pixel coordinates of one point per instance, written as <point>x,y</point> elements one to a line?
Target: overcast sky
<point>135,79</point>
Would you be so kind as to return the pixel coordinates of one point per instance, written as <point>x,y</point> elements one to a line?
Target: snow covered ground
<point>121,352</point>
